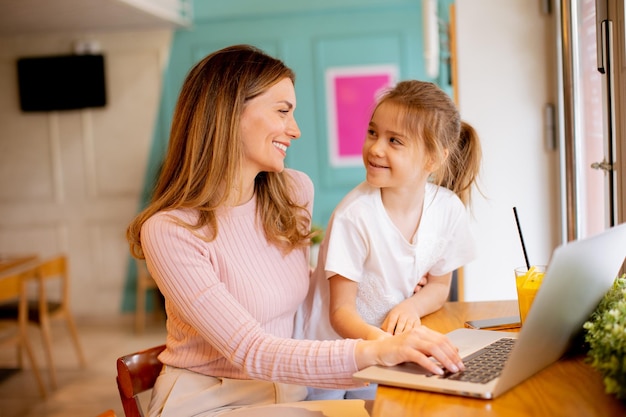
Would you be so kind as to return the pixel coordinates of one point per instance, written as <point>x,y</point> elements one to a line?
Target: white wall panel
<point>70,181</point>
<point>505,78</point>
<point>126,129</point>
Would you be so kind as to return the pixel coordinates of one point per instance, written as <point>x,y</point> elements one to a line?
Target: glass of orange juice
<point>527,282</point>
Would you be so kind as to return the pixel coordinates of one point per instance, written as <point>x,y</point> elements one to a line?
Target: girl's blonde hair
<point>204,159</point>
<point>453,145</point>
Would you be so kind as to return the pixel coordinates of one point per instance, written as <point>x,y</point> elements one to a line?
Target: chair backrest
<point>13,286</point>
<point>13,289</point>
<point>54,268</point>
<point>137,373</point>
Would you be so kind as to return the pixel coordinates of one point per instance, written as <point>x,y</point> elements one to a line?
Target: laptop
<point>578,276</point>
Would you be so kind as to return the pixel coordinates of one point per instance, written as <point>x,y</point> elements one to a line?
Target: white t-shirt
<point>363,245</point>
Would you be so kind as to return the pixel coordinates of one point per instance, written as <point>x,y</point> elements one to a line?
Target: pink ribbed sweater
<point>231,302</point>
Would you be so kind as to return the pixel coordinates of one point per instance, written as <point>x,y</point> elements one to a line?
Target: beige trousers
<point>180,392</point>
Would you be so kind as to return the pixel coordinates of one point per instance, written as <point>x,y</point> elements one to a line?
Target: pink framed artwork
<point>351,93</point>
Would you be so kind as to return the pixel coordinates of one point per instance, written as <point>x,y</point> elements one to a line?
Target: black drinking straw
<point>521,237</point>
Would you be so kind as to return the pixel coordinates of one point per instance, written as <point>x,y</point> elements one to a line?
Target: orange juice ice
<point>527,283</point>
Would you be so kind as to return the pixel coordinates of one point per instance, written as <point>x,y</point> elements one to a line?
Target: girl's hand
<point>404,316</point>
<point>401,318</point>
<point>417,345</point>
<point>427,299</point>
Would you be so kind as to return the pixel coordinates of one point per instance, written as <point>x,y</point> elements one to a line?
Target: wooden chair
<point>45,308</point>
<point>14,329</point>
<point>137,373</point>
<point>455,285</point>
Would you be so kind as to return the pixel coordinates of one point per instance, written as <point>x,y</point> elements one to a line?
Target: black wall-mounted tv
<point>61,82</point>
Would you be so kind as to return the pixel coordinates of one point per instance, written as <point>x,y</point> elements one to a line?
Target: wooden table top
<point>10,262</point>
<point>569,387</point>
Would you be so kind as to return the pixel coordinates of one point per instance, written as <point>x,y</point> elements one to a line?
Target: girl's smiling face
<point>393,158</point>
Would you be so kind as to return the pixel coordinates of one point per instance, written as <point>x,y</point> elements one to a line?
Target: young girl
<point>404,227</point>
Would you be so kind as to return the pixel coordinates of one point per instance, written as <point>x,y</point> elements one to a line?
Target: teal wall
<point>309,37</point>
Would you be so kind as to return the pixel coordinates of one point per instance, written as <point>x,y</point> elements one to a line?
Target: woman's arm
<point>214,309</point>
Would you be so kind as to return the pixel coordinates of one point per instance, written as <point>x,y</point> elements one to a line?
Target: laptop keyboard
<point>486,364</point>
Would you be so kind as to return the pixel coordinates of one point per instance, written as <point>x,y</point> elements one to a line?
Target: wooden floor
<point>81,392</point>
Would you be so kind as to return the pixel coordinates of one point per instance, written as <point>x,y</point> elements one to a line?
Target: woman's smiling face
<point>267,128</point>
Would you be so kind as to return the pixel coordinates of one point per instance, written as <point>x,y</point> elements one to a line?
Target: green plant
<point>605,333</point>
<point>318,236</point>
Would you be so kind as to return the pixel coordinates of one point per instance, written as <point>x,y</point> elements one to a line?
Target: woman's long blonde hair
<point>203,162</point>
<point>452,144</point>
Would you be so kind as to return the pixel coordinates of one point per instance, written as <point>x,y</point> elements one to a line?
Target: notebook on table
<point>578,276</point>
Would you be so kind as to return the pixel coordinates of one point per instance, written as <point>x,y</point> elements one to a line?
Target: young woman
<point>226,238</point>
<point>405,226</point>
